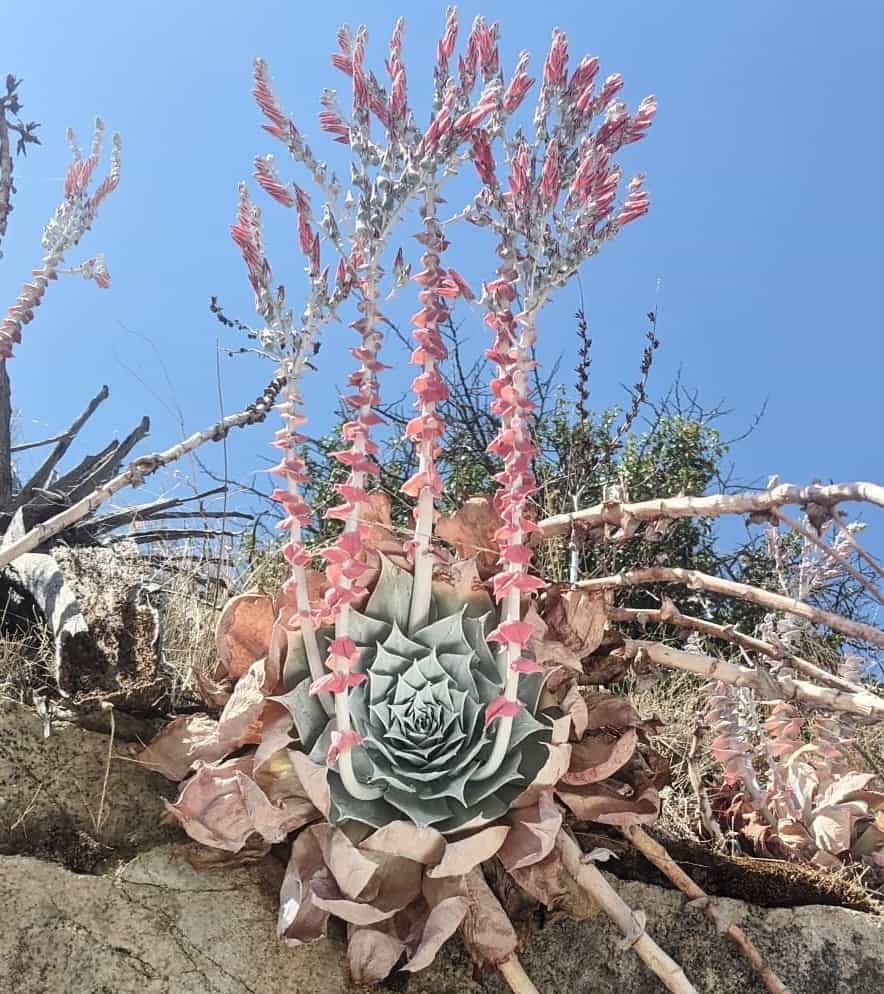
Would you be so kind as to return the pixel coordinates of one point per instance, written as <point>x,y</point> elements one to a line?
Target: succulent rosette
<point>422,710</point>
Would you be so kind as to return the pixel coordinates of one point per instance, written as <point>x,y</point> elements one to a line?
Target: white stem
<point>419,610</point>
<point>422,590</point>
<point>514,974</point>
<point>342,622</point>
<point>302,596</point>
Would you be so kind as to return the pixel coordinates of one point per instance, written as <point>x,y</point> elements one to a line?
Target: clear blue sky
<point>764,167</point>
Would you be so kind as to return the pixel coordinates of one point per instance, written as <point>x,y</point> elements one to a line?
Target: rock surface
<point>141,920</point>
<point>51,792</point>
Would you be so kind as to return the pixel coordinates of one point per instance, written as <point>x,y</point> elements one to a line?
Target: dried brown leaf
<point>471,531</point>
<point>460,857</point>
<point>599,756</point>
<point>575,617</point>
<point>424,845</point>
<point>242,634</point>
<point>533,832</point>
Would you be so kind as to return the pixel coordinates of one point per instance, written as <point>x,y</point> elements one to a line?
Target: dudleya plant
<point>395,706</point>
<point>423,706</point>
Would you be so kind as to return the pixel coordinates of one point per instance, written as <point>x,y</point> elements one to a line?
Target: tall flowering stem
<point>557,209</point>
<point>290,347</point>
<point>72,219</point>
<point>425,430</point>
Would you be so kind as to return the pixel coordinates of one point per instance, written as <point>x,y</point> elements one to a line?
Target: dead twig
<point>630,923</point>
<point>138,471</point>
<point>713,506</point>
<point>769,687</point>
<point>741,591</point>
<point>669,614</point>
<point>656,854</point>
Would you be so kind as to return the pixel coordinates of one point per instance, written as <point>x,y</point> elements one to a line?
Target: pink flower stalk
<point>437,287</point>
<point>72,218</point>
<point>558,208</point>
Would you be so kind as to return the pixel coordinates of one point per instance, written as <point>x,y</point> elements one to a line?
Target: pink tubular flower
<point>341,742</point>
<point>519,85</point>
<point>501,707</point>
<point>512,632</point>
<point>267,178</point>
<point>522,664</point>
<point>72,219</point>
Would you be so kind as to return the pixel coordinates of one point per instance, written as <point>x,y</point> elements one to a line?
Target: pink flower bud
<point>501,707</point>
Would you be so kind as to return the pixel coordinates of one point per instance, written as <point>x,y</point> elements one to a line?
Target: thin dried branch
<point>714,506</point>
<point>169,535</point>
<point>630,923</point>
<point>26,446</point>
<point>767,686</point>
<point>707,818</point>
<point>741,591</point>
<point>138,470</point>
<point>42,476</point>
<point>152,509</point>
<point>657,854</point>
<point>669,614</point>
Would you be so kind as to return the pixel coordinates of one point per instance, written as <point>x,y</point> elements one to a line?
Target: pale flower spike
<point>73,217</point>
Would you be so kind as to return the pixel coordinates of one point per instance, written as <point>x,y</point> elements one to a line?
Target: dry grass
<point>678,700</point>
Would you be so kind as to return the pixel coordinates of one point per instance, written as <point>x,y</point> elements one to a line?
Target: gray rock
<point>51,792</point>
<point>137,918</point>
<point>158,926</point>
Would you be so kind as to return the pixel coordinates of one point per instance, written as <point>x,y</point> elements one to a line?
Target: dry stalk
<point>136,473</point>
<point>514,974</point>
<point>714,506</point>
<point>707,818</point>
<point>588,876</point>
<point>658,855</point>
<point>741,591</point>
<point>669,614</point>
<point>767,686</point>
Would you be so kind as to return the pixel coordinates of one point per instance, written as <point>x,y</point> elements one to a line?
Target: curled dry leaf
<point>190,739</point>
<point>471,531</point>
<point>612,803</point>
<point>242,634</point>
<point>440,924</point>
<point>184,741</point>
<point>545,648</point>
<point>532,835</point>
<point>599,757</point>
<point>372,954</point>
<point>487,932</point>
<point>425,845</point>
<point>576,617</point>
<point>222,806</point>
<point>461,857</point>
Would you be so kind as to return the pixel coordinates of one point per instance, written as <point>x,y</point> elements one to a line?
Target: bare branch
<point>827,550</point>
<point>741,591</point>
<point>766,685</point>
<point>590,878</point>
<point>656,854</point>
<point>42,476</point>
<point>138,471</point>
<point>713,506</point>
<point>669,614</point>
